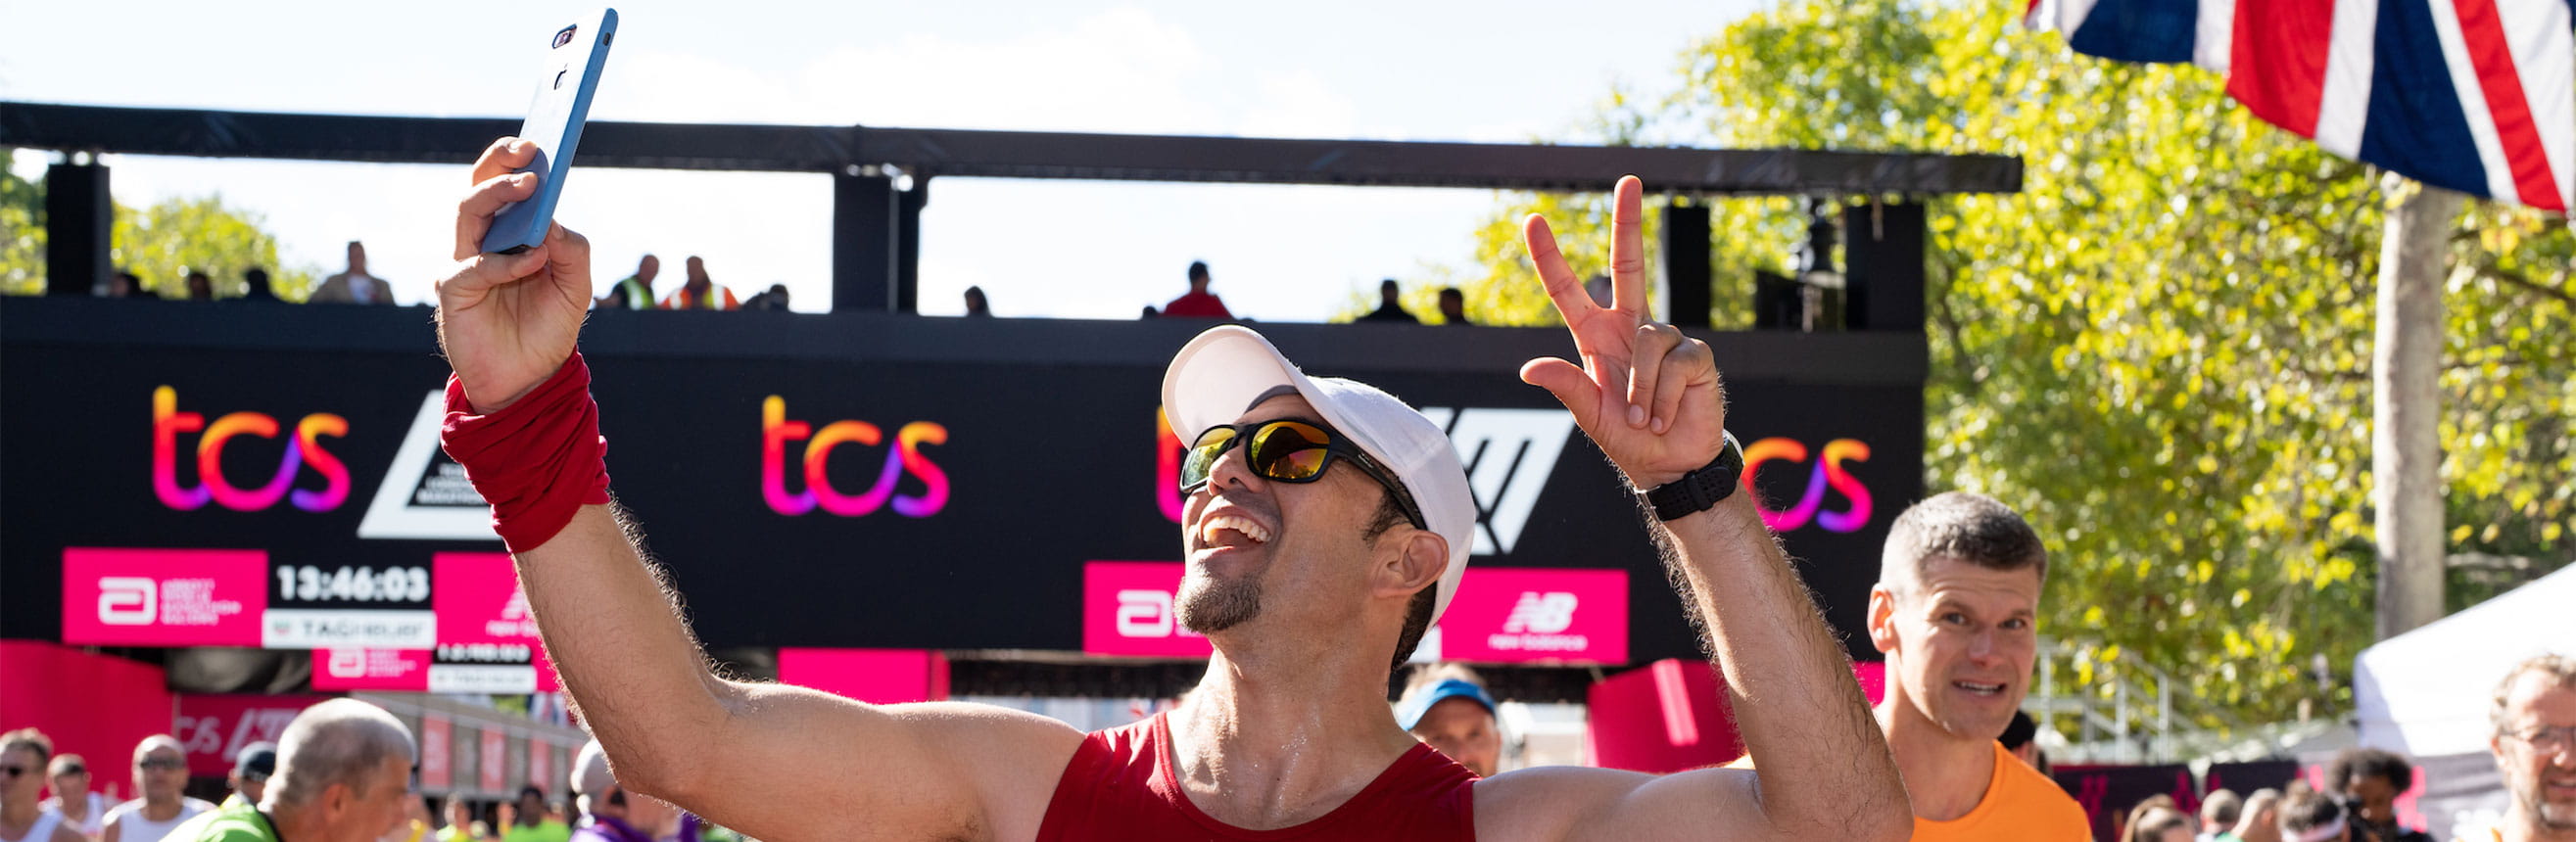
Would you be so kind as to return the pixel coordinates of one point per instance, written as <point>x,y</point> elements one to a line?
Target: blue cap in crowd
<point>1410,711</point>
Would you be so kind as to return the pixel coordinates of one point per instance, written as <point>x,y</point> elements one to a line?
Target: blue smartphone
<point>574,56</point>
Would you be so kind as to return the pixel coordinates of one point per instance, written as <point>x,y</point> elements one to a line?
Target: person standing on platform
<point>635,292</point>
<point>1389,309</point>
<point>1198,303</point>
<point>700,292</point>
<point>354,285</point>
<point>1453,307</point>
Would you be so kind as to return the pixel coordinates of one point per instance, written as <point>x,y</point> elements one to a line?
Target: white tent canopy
<point>2427,692</point>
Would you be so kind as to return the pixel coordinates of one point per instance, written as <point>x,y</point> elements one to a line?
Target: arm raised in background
<point>1651,398</point>
<point>776,762</point>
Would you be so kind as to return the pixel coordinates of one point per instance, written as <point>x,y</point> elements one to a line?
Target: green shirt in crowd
<point>547,830</point>
<point>231,823</point>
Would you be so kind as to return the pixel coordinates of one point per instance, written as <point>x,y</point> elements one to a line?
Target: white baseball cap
<point>590,775</point>
<point>1221,374</point>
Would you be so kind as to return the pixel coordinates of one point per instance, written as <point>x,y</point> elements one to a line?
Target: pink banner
<point>404,670</point>
<point>1500,615</point>
<point>138,597</point>
<point>494,761</point>
<point>874,676</point>
<point>476,597</point>
<point>216,727</point>
<point>1127,610</point>
<point>435,743</point>
<point>541,766</point>
<point>1522,615</point>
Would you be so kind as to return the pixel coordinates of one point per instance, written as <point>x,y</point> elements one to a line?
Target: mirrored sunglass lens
<point>1289,450</point>
<point>1203,454</point>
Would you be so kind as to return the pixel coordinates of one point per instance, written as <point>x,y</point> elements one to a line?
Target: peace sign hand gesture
<point>1648,395</point>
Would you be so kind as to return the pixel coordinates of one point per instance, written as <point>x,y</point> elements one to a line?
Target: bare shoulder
<point>1554,803</point>
<point>1013,757</point>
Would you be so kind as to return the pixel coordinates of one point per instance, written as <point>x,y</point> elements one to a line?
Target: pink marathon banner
<point>216,727</point>
<point>874,676</point>
<point>487,637</point>
<point>404,670</point>
<point>1525,615</point>
<point>155,597</point>
<point>1500,615</point>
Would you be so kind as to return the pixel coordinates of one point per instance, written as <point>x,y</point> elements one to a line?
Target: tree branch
<point>2490,269</point>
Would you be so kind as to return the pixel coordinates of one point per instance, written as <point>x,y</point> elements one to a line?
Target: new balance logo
<point>1509,454</point>
<point>425,495</point>
<point>1541,613</point>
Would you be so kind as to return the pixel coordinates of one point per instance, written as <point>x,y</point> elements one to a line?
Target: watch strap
<point>1701,489</point>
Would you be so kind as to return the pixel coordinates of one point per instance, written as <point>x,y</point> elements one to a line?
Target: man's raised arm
<point>1650,397</point>
<point>775,762</point>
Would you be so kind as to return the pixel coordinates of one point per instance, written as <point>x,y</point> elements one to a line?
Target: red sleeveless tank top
<point>1120,786</point>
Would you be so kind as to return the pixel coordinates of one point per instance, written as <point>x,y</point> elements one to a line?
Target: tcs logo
<point>1828,472</point>
<point>303,448</point>
<point>776,430</point>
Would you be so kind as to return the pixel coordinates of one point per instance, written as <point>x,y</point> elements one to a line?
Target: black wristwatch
<point>1702,489</point>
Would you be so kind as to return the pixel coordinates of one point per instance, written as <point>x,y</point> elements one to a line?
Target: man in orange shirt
<point>1955,611</point>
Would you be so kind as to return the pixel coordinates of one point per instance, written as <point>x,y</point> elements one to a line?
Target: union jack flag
<point>2477,96</point>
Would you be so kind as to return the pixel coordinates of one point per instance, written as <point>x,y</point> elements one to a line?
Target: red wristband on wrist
<point>537,461</point>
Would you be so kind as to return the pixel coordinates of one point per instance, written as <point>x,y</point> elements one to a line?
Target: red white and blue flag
<point>2477,96</point>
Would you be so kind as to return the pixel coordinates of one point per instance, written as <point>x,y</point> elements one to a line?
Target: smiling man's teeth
<point>1974,687</point>
<point>1250,529</point>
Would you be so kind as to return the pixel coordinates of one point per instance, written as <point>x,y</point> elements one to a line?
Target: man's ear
<point>1882,618</point>
<point>1415,560</point>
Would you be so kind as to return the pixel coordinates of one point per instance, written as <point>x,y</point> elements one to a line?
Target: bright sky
<point>1501,70</point>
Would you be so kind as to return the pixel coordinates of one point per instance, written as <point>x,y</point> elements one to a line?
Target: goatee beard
<point>1215,605</point>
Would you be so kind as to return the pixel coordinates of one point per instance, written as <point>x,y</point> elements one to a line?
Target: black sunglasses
<point>1289,450</point>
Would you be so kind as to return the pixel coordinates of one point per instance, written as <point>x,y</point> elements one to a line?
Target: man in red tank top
<point>1326,526</point>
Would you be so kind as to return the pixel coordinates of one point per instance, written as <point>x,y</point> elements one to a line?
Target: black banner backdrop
<point>971,467</point>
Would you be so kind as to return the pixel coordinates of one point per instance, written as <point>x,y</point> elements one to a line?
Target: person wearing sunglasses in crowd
<point>161,774</point>
<point>23,817</point>
<point>80,808</point>
<point>1327,525</point>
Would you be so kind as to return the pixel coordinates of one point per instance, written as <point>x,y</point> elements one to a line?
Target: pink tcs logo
<point>1828,472</point>
<point>776,430</point>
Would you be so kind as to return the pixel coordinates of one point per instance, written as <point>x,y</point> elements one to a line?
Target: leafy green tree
<point>22,232</point>
<point>2159,351</point>
<point>159,244</point>
<point>162,243</point>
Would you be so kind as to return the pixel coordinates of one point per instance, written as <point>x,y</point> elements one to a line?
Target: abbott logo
<point>1541,613</point>
<point>127,600</point>
<point>1509,454</point>
<point>1146,612</point>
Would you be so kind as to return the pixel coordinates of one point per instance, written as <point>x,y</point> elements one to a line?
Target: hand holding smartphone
<point>573,59</point>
